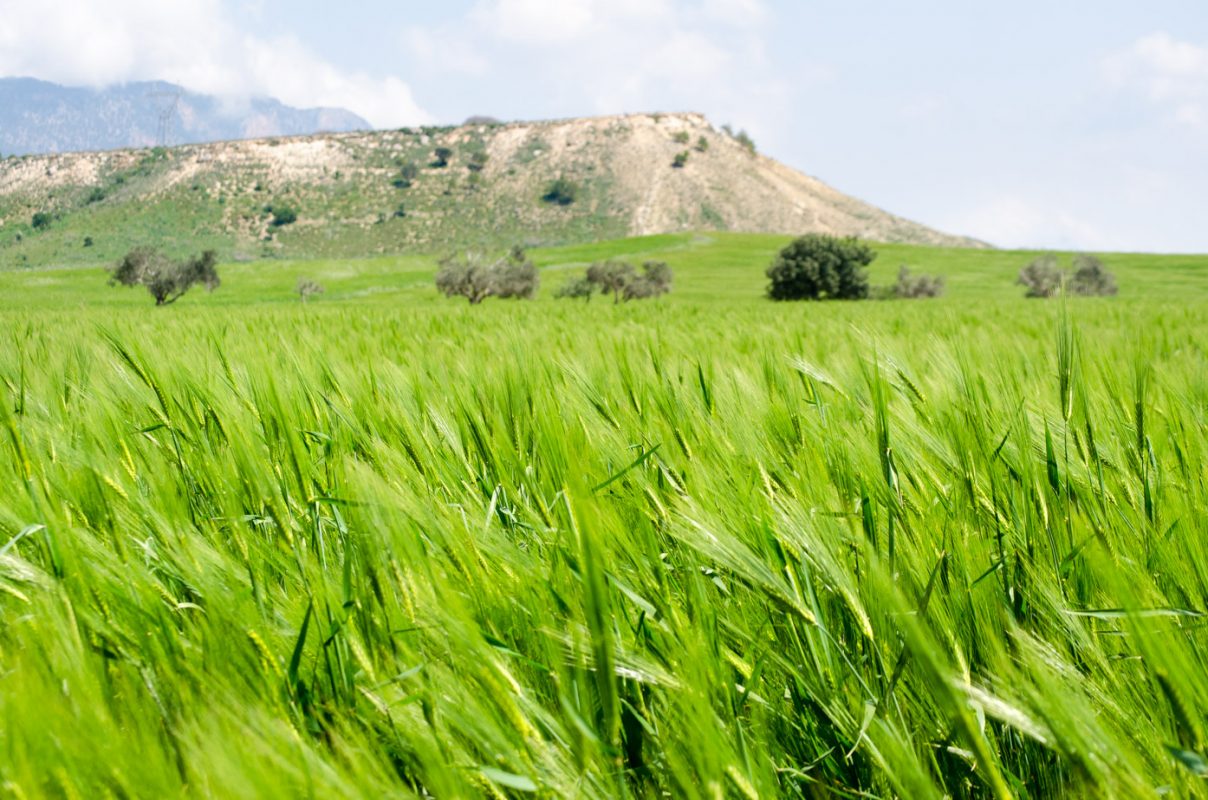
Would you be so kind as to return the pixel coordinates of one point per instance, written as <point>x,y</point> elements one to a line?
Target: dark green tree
<point>441,157</point>
<point>282,215</point>
<point>821,267</point>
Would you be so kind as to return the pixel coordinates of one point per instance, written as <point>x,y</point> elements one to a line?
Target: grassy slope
<point>386,543</point>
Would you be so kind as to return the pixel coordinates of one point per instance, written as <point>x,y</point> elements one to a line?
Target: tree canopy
<point>821,267</point>
<point>165,279</point>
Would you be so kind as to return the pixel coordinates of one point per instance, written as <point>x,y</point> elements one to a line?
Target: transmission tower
<point>166,109</point>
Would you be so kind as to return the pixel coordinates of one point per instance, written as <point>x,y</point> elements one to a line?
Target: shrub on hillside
<point>683,137</point>
<point>166,280</point>
<point>702,145</point>
<point>41,220</point>
<point>514,276</point>
<point>407,175</point>
<point>282,215</point>
<point>477,161</point>
<point>681,159</point>
<point>561,192</point>
<point>441,156</point>
<point>821,267</point>
<point>742,137</point>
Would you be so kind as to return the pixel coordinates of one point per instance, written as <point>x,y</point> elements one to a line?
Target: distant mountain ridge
<point>41,117</point>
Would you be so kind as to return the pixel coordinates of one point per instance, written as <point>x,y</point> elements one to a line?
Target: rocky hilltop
<point>365,193</point>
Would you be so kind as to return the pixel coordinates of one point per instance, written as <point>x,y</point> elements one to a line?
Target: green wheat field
<point>383,544</point>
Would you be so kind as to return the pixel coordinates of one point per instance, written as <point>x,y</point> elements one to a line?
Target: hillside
<point>41,117</point>
<point>351,200</point>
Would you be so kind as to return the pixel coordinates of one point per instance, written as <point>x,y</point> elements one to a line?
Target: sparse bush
<point>477,161</point>
<point>441,157</point>
<point>576,288</point>
<point>165,279</point>
<point>821,267</point>
<point>514,276</point>
<point>561,192</point>
<point>702,145</point>
<point>96,195</point>
<point>913,287</point>
<point>742,137</point>
<point>680,160</point>
<point>282,215</point>
<point>1091,278</point>
<point>88,241</point>
<point>41,220</point>
<point>308,289</point>
<point>401,211</point>
<point>1042,277</point>
<point>682,137</point>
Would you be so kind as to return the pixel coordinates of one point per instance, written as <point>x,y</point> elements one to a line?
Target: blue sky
<point>1076,124</point>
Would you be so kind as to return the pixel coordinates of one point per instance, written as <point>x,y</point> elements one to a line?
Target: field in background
<point>385,544</point>
<point>711,268</point>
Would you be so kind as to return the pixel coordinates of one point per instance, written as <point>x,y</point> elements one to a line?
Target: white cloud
<point>611,56</point>
<point>191,42</point>
<point>1014,221</point>
<point>1170,73</point>
<point>739,13</point>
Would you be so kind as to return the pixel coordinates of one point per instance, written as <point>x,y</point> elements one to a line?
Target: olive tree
<point>913,287</point>
<point>514,276</point>
<point>621,280</point>
<point>166,280</point>
<point>577,289</point>
<point>654,281</point>
<point>610,277</point>
<point>1091,278</point>
<point>1042,277</point>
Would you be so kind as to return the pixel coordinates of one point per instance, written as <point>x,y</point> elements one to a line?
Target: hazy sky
<point>1062,123</point>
